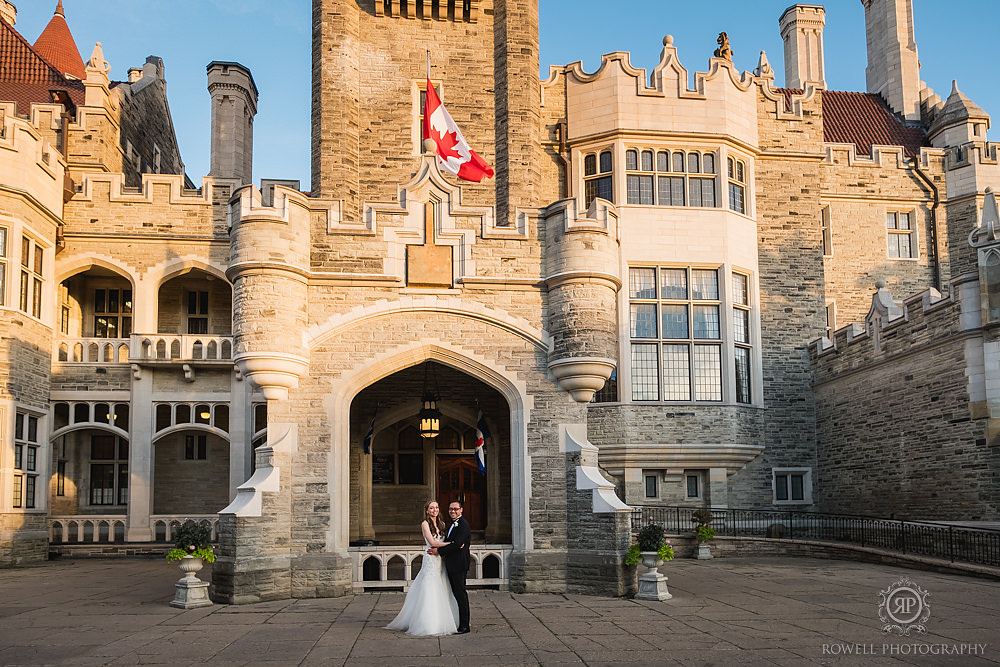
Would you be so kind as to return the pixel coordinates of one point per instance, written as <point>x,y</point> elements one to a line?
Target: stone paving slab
<point>727,612</point>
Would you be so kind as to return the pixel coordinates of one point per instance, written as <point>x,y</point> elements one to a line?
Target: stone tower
<point>802,31</point>
<point>234,105</point>
<point>369,68</point>
<point>893,66</point>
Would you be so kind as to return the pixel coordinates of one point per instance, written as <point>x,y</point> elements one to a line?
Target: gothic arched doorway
<point>390,484</point>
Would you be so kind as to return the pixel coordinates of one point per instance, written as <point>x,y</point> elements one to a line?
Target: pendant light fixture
<point>430,416</point>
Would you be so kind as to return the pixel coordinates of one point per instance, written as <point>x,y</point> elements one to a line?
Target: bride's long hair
<point>433,522</point>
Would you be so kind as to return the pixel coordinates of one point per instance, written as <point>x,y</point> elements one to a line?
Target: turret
<point>583,282</point>
<point>802,31</point>
<point>270,263</point>
<point>234,105</point>
<point>958,122</point>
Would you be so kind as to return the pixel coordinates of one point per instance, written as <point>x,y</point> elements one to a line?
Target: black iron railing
<point>980,546</point>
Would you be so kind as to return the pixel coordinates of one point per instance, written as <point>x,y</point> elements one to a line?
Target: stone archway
<point>404,470</point>
<point>350,427</point>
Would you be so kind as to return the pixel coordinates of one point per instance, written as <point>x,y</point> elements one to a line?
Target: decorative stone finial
<point>954,86</point>
<point>430,146</point>
<point>879,284</point>
<point>668,40</point>
<point>724,51</point>
<point>59,10</point>
<point>97,60</point>
<point>764,69</point>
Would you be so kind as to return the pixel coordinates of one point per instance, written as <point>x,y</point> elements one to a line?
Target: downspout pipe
<point>933,245</point>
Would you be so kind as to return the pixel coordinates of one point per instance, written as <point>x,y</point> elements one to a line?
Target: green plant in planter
<point>702,531</point>
<point>650,538</point>
<point>192,539</point>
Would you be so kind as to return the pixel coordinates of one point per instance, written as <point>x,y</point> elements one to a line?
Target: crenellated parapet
<point>895,329</point>
<point>29,164</point>
<point>103,203</point>
<point>619,97</point>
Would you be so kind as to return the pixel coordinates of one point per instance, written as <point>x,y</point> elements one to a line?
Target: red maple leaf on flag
<point>446,145</point>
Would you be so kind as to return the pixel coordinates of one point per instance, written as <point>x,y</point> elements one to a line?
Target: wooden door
<point>459,477</point>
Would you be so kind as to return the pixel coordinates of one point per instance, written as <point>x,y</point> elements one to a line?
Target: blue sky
<point>273,40</point>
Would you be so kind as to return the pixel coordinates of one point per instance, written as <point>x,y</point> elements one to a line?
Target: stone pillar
<point>234,105</point>
<point>893,65</point>
<point>240,432</point>
<point>583,279</point>
<point>802,31</point>
<point>140,458</point>
<point>718,487</point>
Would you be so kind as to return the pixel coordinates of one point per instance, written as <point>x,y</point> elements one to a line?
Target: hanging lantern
<point>430,418</point>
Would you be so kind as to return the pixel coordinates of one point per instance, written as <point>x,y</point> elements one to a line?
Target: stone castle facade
<point>666,296</point>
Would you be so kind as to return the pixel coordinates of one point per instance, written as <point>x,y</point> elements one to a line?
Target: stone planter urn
<point>190,591</point>
<point>652,584</point>
<point>704,552</point>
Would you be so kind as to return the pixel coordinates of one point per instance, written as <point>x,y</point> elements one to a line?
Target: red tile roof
<point>25,77</point>
<point>863,119</point>
<point>57,46</point>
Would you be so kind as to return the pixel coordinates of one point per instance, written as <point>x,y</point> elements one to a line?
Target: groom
<point>456,560</point>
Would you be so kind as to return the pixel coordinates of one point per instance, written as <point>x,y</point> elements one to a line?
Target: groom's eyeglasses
<point>454,509</point>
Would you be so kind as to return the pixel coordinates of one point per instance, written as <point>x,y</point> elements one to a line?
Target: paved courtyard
<point>746,611</point>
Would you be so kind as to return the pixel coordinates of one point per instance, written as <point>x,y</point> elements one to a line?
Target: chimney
<point>8,12</point>
<point>893,67</point>
<point>802,31</point>
<point>234,105</point>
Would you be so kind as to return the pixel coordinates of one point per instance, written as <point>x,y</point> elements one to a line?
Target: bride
<point>430,607</point>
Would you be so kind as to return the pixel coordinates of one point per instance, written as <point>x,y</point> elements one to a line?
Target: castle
<point>736,294</point>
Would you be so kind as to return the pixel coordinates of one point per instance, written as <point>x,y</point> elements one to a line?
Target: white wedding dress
<point>430,608</point>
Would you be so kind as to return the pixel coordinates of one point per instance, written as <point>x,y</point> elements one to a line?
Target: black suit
<point>456,563</point>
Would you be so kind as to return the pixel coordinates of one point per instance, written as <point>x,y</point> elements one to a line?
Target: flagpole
<point>428,64</point>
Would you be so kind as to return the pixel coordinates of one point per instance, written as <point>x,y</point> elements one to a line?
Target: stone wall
<point>898,432</point>
<point>859,192</point>
<point>790,255</point>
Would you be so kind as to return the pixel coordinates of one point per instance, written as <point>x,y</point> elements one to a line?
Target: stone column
<point>240,432</point>
<point>140,458</point>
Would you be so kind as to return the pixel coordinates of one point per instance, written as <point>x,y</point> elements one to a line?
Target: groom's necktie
<point>452,528</point>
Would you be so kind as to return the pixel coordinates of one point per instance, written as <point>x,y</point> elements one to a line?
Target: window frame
<point>4,243</point>
<point>737,171</point>
<point>599,177</point>
<point>32,285</point>
<point>119,466</point>
<point>29,460</point>
<point>895,233</point>
<point>666,171</point>
<point>782,484</point>
<point>699,486</point>
<point>647,477</point>
<point>645,337</point>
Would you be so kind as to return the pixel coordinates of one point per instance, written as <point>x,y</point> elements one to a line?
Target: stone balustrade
<point>92,350</point>
<point>144,348</point>
<point>110,528</point>
<point>378,567</point>
<point>174,347</point>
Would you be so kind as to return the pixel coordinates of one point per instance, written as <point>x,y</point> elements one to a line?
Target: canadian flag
<point>454,154</point>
